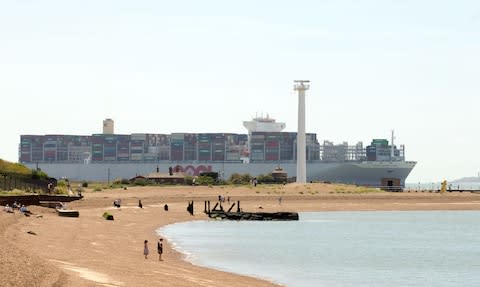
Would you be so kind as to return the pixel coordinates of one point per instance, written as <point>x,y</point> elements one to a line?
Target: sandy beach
<point>92,251</point>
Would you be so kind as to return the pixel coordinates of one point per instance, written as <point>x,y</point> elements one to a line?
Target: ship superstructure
<point>263,124</point>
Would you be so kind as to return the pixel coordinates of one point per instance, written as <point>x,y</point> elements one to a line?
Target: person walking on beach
<point>145,248</point>
<point>160,249</point>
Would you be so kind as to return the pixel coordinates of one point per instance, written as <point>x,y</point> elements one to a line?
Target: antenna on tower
<point>392,147</point>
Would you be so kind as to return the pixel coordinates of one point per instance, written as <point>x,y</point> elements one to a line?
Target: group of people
<point>117,202</point>
<point>221,198</point>
<point>8,208</point>
<point>159,249</point>
<point>21,207</point>
<point>146,251</point>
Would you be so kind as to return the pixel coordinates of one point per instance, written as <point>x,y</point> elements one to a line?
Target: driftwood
<point>68,212</point>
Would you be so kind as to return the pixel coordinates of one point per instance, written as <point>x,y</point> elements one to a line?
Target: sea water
<point>398,248</point>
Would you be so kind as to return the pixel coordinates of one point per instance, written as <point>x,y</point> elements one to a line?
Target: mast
<point>392,149</point>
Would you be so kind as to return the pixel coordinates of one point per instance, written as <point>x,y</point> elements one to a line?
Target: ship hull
<point>359,173</point>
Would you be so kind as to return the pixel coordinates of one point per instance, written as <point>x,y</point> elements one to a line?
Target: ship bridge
<point>263,124</point>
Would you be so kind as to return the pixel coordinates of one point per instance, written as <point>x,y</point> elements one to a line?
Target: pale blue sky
<point>206,66</point>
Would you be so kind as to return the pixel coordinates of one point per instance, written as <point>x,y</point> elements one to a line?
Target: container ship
<point>265,148</point>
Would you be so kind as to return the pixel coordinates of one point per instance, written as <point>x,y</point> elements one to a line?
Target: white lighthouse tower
<point>301,86</point>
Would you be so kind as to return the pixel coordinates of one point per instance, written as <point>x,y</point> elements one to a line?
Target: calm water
<point>401,248</point>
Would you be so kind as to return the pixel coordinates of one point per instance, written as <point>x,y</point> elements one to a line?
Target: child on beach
<point>145,249</point>
<point>160,249</point>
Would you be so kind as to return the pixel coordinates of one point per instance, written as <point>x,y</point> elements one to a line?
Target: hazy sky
<point>206,66</point>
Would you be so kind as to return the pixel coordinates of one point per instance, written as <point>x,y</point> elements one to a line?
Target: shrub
<point>38,174</point>
<point>119,181</point>
<point>211,174</point>
<point>140,182</point>
<point>61,189</point>
<point>85,184</point>
<point>107,216</point>
<point>61,183</point>
<point>205,180</point>
<point>189,180</point>
<point>268,178</point>
<point>237,178</point>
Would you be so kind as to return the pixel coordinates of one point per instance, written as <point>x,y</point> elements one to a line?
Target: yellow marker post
<point>444,186</point>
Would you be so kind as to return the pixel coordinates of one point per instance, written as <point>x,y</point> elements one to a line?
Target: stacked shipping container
<point>264,146</point>
<point>176,147</point>
<point>218,147</point>
<point>204,147</point>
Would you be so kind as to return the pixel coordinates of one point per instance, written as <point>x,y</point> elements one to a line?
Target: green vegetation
<point>238,178</point>
<point>107,216</point>
<point>213,175</point>
<point>246,178</point>
<point>19,170</point>
<point>62,187</point>
<point>12,192</point>
<point>267,186</point>
<point>265,178</point>
<point>15,176</point>
<point>205,180</point>
<point>121,181</point>
<point>141,182</point>
<point>355,190</point>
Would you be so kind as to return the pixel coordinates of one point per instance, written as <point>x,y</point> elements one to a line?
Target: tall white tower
<point>301,86</point>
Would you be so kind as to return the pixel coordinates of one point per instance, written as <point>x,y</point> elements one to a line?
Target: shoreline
<point>92,251</point>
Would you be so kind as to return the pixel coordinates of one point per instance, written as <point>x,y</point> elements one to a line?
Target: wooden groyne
<point>36,199</point>
<point>219,213</point>
<point>254,215</point>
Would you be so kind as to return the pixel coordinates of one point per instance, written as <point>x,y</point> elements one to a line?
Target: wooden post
<point>190,207</point>
<point>231,207</point>
<point>215,206</point>
<point>208,204</point>
<point>205,207</point>
<point>238,206</point>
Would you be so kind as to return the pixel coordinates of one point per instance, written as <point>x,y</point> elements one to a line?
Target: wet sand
<point>92,251</point>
